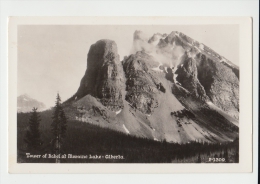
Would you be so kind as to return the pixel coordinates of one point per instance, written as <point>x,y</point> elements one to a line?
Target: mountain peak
<point>102,75</point>
<point>139,35</point>
<point>25,103</point>
<point>25,95</point>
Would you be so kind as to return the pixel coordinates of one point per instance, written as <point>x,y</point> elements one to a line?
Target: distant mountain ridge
<point>25,104</point>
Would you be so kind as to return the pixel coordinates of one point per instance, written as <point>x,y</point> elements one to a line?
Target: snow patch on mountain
<point>157,69</point>
<point>225,61</point>
<point>201,46</point>
<point>198,49</point>
<point>165,68</point>
<point>126,130</point>
<point>117,112</point>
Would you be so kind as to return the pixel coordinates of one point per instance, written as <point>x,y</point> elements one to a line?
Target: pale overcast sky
<point>53,59</point>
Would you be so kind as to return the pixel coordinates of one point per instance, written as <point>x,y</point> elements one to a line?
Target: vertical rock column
<point>103,75</point>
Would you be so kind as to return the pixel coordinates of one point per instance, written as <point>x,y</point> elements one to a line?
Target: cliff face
<point>210,80</point>
<point>103,77</point>
<point>141,85</point>
<point>220,83</point>
<point>187,76</point>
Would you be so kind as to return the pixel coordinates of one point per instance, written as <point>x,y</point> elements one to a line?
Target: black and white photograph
<point>128,94</point>
<point>129,91</point>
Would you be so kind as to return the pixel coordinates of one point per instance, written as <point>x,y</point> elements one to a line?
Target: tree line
<point>63,136</point>
<point>58,127</point>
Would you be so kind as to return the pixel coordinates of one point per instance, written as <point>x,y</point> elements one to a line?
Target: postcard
<point>130,94</point>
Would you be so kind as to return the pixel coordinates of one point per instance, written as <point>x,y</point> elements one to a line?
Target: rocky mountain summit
<point>103,78</point>
<point>170,88</point>
<point>25,104</point>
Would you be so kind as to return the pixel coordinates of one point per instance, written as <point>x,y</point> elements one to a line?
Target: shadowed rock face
<point>102,78</point>
<point>210,80</point>
<point>187,76</point>
<point>220,83</point>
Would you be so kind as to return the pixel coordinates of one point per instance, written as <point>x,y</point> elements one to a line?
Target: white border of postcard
<point>246,98</point>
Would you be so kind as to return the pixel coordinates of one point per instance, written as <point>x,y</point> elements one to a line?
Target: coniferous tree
<point>63,121</point>
<point>59,120</point>
<point>237,156</point>
<point>59,125</point>
<point>226,155</point>
<point>32,136</point>
<point>199,159</point>
<point>220,155</point>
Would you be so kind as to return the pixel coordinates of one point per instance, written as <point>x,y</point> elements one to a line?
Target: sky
<point>53,58</point>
